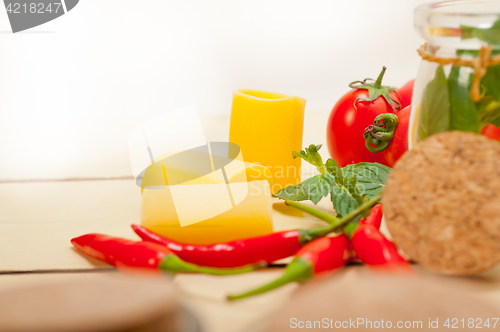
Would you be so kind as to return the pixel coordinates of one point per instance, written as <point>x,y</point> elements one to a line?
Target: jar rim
<point>459,24</point>
<point>460,8</point>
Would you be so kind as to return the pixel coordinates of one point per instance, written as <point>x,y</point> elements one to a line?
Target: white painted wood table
<point>38,218</point>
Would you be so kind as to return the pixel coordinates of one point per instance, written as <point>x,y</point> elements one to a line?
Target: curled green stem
<point>379,135</point>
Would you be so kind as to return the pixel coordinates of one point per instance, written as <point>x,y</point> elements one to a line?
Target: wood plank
<point>37,221</point>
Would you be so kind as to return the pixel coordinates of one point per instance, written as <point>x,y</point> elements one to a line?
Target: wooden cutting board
<point>95,303</point>
<point>368,302</point>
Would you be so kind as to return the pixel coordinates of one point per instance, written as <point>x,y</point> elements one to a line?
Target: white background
<point>72,90</point>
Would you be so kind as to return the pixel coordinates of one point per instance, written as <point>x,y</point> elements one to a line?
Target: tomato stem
<point>376,90</point>
<point>378,82</point>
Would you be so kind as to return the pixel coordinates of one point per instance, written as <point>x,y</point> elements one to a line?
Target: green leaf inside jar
<point>464,114</point>
<point>489,35</point>
<point>491,82</point>
<point>435,111</point>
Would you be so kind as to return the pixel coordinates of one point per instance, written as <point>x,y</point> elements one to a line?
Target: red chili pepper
<point>375,217</point>
<point>267,248</point>
<point>126,253</point>
<point>321,255</point>
<point>491,131</point>
<point>372,248</point>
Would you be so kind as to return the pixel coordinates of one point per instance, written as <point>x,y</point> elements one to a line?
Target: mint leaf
<point>343,201</point>
<point>333,168</point>
<point>435,110</point>
<point>312,156</point>
<point>346,197</point>
<point>370,177</point>
<point>318,186</point>
<point>314,189</point>
<point>464,115</point>
<point>362,180</point>
<point>348,186</point>
<point>293,193</point>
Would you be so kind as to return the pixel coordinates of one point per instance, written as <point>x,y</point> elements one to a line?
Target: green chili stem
<point>299,270</point>
<point>174,264</point>
<point>333,221</point>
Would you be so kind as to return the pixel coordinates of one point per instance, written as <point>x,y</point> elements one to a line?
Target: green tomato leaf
<point>312,156</point>
<point>435,109</point>
<point>370,177</point>
<point>464,115</point>
<point>318,186</point>
<point>293,193</point>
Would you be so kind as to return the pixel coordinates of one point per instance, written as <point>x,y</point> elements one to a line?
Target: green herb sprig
<point>348,186</point>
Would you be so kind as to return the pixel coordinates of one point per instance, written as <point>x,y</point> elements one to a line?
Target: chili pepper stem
<point>174,264</point>
<point>299,270</point>
<point>334,222</point>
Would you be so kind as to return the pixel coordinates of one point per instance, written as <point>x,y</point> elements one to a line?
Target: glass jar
<point>458,82</point>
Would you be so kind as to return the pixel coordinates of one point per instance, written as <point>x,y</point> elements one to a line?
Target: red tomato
<point>399,143</point>
<point>347,124</point>
<point>492,132</point>
<point>405,93</point>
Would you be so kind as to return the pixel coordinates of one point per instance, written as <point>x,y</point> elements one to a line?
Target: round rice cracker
<point>442,203</point>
